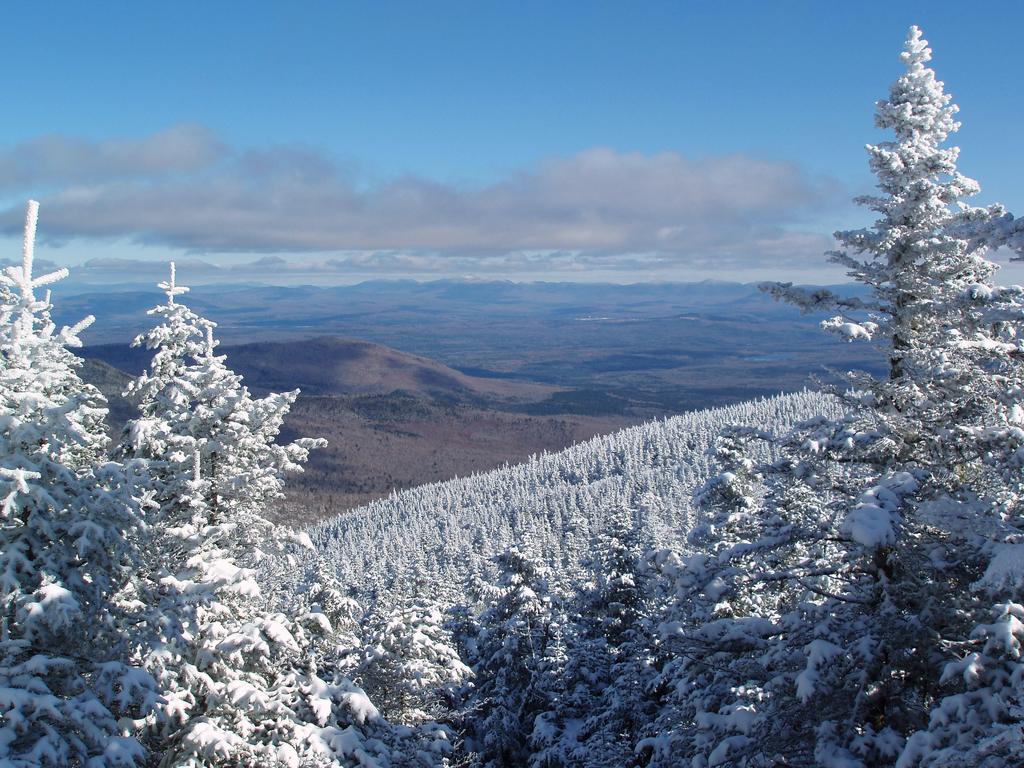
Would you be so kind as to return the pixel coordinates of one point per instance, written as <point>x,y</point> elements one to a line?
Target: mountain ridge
<point>331,365</point>
<point>553,504</point>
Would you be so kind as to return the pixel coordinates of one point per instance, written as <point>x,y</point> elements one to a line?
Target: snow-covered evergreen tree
<point>247,677</point>
<point>602,703</point>
<point>510,655</point>
<point>192,402</point>
<point>948,332</point>
<point>64,556</point>
<point>410,668</point>
<point>815,627</point>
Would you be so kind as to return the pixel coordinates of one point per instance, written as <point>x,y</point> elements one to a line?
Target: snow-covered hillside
<point>551,506</point>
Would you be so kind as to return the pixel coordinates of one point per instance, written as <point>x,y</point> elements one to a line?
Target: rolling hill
<point>551,506</point>
<point>392,420</point>
<point>338,366</point>
<point>640,350</point>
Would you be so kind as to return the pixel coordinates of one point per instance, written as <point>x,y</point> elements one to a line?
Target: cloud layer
<point>184,189</point>
<point>65,163</point>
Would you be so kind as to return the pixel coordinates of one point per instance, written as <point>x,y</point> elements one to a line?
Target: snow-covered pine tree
<point>191,401</point>
<point>410,668</point>
<point>63,551</point>
<point>619,611</point>
<point>602,702</point>
<point>933,310</point>
<point>508,660</point>
<point>816,628</point>
<point>951,413</point>
<point>246,677</point>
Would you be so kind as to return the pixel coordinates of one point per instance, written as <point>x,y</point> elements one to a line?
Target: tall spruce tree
<point>245,678</point>
<point>509,655</point>
<point>64,554</point>
<point>836,579</point>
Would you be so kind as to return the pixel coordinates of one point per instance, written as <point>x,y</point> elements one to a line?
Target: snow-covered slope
<point>551,505</point>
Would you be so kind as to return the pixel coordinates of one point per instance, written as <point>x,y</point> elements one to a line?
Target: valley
<point>415,383</point>
<point>392,420</point>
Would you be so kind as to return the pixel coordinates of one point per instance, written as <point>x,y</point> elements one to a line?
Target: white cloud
<point>63,161</point>
<point>183,189</point>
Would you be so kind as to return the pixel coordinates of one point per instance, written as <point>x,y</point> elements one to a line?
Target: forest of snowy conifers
<point>555,505</point>
<point>828,579</point>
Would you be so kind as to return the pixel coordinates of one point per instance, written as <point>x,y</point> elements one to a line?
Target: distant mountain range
<point>249,312</point>
<point>336,366</point>
<point>417,382</point>
<point>658,347</point>
<point>393,420</point>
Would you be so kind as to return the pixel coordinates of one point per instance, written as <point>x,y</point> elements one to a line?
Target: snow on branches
<point>837,592</point>
<point>64,556</point>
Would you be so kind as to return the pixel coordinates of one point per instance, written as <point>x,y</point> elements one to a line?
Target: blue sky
<point>341,141</point>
